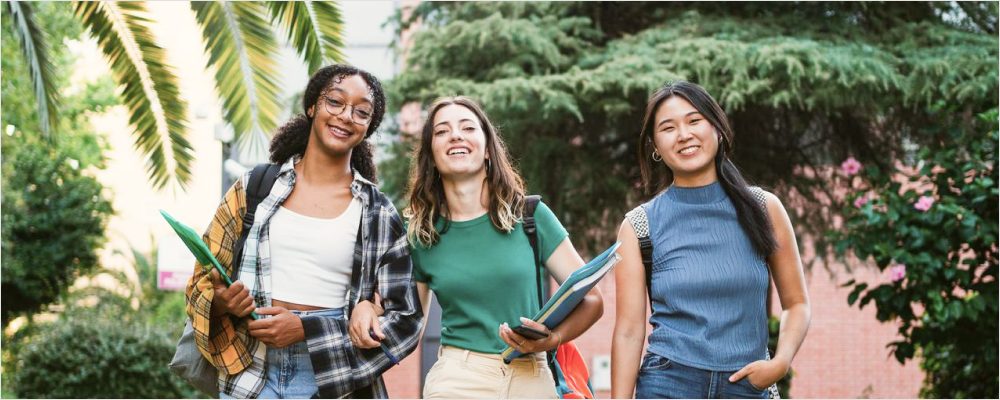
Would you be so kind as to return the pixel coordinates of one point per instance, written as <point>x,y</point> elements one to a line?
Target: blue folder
<point>570,293</point>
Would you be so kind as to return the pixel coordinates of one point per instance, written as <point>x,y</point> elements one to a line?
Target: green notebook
<point>200,250</point>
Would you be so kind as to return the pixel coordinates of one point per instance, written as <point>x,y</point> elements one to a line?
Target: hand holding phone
<point>530,333</point>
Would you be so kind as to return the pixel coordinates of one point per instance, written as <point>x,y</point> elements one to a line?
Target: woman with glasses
<point>469,247</point>
<point>323,243</point>
<point>715,244</point>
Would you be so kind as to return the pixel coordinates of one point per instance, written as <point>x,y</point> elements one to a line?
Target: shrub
<point>933,226</point>
<point>87,355</point>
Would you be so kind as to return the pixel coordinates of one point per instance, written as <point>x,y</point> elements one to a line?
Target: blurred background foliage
<point>806,85</point>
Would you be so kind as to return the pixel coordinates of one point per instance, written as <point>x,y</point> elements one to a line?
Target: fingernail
<point>523,320</point>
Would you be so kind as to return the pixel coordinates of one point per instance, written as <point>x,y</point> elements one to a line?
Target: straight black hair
<point>751,214</point>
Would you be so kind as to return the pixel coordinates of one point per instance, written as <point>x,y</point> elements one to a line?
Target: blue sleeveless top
<point>709,285</point>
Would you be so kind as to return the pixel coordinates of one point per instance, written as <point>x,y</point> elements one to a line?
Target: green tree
<point>242,50</point>
<point>53,223</point>
<point>805,84</point>
<point>53,213</point>
<point>932,224</point>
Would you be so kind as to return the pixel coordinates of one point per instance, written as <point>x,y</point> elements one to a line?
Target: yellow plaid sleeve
<point>222,340</point>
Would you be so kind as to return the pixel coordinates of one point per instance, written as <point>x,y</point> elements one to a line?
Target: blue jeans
<point>660,378</point>
<point>289,369</point>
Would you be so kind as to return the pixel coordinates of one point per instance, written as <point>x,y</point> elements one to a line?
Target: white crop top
<point>312,258</point>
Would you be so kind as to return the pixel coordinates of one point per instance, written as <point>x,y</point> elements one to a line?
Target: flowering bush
<point>935,231</point>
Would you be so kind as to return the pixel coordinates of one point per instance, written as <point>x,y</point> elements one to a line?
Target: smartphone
<point>533,334</point>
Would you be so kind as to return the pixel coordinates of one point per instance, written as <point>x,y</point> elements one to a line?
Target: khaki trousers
<point>467,374</point>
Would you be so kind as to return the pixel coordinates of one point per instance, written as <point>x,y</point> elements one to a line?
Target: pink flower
<point>860,201</point>
<point>924,203</point>
<point>850,166</point>
<point>897,272</point>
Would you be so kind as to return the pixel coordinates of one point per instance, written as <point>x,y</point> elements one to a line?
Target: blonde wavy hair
<point>426,195</point>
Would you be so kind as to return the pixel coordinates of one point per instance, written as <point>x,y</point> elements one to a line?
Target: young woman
<point>715,243</point>
<point>322,244</point>
<point>469,247</point>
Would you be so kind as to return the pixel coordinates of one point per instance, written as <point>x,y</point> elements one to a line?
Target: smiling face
<point>339,115</point>
<point>687,142</point>
<point>458,143</point>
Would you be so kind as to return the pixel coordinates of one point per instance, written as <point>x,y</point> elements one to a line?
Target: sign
<point>174,263</point>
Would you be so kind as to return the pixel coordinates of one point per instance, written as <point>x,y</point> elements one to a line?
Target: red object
<point>574,370</point>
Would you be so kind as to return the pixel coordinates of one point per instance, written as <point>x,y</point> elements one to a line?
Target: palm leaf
<point>36,55</point>
<point>242,49</point>
<point>149,86</point>
<point>313,27</point>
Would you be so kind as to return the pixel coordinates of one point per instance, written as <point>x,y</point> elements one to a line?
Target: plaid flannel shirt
<point>381,262</point>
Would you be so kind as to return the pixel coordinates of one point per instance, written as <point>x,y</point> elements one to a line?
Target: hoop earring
<point>488,165</point>
<point>656,156</point>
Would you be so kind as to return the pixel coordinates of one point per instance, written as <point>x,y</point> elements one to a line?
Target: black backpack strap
<point>262,179</point>
<point>640,224</point>
<point>531,229</point>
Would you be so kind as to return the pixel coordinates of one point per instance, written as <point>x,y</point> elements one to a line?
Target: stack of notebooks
<point>571,293</point>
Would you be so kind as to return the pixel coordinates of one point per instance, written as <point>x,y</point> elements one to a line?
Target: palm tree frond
<point>242,50</point>
<point>313,27</point>
<point>148,85</point>
<point>36,55</point>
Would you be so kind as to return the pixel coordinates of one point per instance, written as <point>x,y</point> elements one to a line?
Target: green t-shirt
<point>483,277</point>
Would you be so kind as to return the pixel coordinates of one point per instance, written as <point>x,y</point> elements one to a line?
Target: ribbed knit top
<point>709,285</point>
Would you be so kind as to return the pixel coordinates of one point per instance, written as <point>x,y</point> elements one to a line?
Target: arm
<point>215,333</point>
<point>341,367</point>
<point>424,293</point>
<point>786,267</point>
<point>561,263</point>
<point>630,315</point>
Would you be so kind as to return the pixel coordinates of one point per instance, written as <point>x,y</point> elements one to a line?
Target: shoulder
<point>382,206</point>
<point>637,221</point>
<point>767,200</point>
<point>544,215</point>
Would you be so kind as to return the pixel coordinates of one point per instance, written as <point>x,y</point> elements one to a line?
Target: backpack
<point>640,224</point>
<point>187,362</point>
<point>568,367</point>
<point>262,179</point>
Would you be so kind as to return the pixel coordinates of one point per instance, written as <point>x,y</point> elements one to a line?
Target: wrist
<point>783,364</point>
<point>558,339</point>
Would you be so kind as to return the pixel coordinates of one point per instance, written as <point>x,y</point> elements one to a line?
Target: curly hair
<point>291,139</point>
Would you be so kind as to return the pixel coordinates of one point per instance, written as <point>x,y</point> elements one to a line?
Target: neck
<point>319,168</point>
<point>704,177</point>
<point>467,197</point>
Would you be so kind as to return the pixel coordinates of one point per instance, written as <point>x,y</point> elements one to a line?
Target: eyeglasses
<point>359,115</point>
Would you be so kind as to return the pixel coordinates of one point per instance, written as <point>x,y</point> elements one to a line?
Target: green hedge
<point>93,356</point>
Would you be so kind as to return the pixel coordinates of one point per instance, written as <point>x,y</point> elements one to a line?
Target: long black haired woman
<point>322,244</point>
<point>715,243</point>
<point>469,247</point>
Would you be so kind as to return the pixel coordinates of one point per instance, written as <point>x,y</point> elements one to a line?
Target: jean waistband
<point>326,312</point>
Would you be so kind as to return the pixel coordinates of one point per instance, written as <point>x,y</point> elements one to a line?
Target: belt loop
<point>440,348</point>
<point>465,355</point>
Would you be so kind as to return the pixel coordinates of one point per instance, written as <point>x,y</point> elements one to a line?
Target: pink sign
<point>172,280</point>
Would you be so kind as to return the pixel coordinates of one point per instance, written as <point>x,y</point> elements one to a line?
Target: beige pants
<point>467,374</point>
